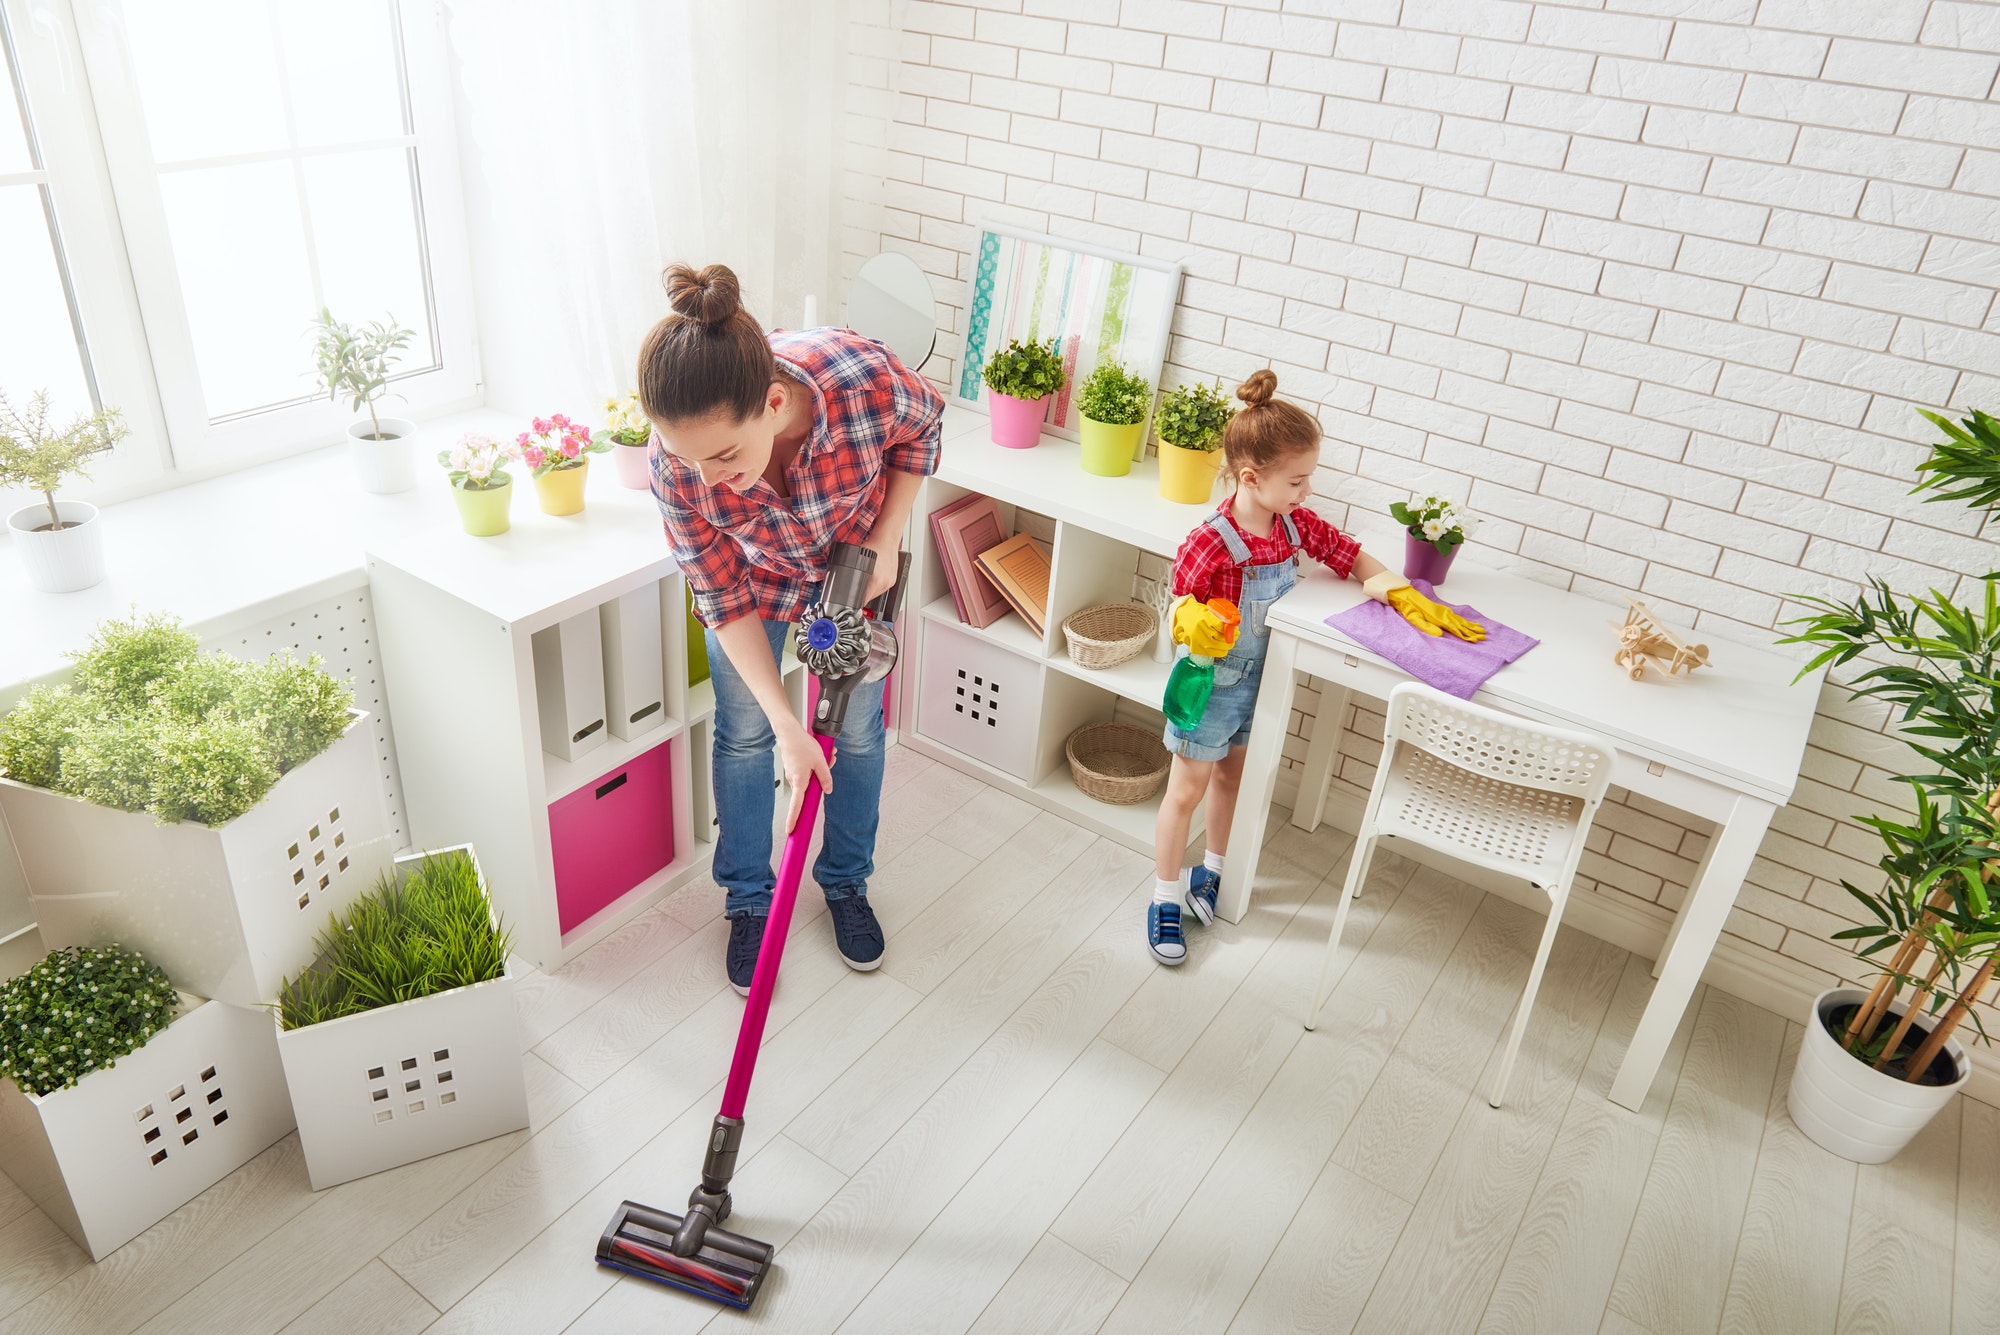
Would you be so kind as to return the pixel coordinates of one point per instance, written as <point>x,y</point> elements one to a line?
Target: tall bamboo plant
<point>1934,929</point>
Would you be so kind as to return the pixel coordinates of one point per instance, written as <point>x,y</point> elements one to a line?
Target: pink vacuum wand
<point>845,645</point>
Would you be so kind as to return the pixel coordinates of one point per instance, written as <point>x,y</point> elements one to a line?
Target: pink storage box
<point>611,834</point>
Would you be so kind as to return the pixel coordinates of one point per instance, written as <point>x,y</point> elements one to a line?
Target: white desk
<point>1724,745</point>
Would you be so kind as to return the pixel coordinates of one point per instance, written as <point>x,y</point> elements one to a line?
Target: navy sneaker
<point>1202,887</point>
<point>1163,932</point>
<point>746,938</point>
<point>855,930</point>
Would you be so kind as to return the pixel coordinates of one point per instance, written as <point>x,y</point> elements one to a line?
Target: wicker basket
<point>1108,634</point>
<point>1117,762</point>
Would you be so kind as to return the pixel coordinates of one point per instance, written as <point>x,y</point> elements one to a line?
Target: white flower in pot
<point>626,426</point>
<point>353,363</point>
<point>60,542</point>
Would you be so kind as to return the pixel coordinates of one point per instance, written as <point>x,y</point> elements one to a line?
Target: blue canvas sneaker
<point>1202,887</point>
<point>856,931</point>
<point>746,938</point>
<point>1163,932</point>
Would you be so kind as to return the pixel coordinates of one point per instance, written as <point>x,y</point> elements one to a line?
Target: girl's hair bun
<point>709,294</point>
<point>1258,389</point>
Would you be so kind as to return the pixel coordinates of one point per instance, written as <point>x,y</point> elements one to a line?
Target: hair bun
<point>710,294</point>
<point>1258,389</point>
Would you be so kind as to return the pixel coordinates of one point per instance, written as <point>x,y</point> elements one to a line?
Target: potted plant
<point>121,1099</point>
<point>61,543</point>
<point>1434,529</point>
<point>1877,1065</point>
<point>557,451</point>
<point>402,1040</point>
<point>480,482</point>
<point>353,363</point>
<point>1189,425</point>
<point>1114,403</point>
<point>1020,379</point>
<point>627,429</point>
<point>204,810</point>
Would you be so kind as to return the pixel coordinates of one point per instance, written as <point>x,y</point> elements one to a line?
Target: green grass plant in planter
<point>1113,401</point>
<point>1020,379</point>
<point>1189,424</point>
<point>77,1011</point>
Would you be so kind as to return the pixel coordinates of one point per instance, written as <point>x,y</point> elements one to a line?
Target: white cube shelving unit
<point>1102,525</point>
<point>457,617</point>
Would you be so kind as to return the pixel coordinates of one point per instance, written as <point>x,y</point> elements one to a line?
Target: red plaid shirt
<point>1203,567</point>
<point>755,553</point>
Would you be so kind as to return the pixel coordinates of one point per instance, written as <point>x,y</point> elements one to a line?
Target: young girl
<point>1247,552</point>
<point>767,450</point>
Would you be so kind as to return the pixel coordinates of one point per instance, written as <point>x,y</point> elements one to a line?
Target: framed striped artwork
<point>1096,305</point>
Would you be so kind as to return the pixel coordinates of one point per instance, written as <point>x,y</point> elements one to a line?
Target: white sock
<point>1213,861</point>
<point>1169,892</point>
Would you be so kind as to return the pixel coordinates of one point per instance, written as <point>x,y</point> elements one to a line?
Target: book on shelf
<point>1019,568</point>
<point>963,530</point>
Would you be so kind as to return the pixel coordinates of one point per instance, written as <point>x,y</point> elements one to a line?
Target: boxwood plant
<point>150,723</point>
<point>79,1010</point>
<point>1115,396</point>
<point>428,932</point>
<point>1025,370</point>
<point>1193,417</point>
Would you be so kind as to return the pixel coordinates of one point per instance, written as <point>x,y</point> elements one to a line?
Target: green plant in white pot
<point>1113,401</point>
<point>353,363</point>
<point>60,542</point>
<point>1190,425</point>
<point>1877,1065</point>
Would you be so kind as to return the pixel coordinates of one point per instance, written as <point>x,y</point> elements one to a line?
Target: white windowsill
<point>248,544</point>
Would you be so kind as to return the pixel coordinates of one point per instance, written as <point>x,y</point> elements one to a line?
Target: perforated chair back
<point>1500,746</point>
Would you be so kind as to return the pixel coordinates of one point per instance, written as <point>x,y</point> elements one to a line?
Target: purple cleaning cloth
<point>1446,662</point>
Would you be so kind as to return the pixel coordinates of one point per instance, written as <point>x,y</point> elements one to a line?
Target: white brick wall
<point>1655,285</point>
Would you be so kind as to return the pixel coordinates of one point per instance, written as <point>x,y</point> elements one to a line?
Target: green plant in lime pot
<point>1114,401</point>
<point>1189,424</point>
<point>1020,379</point>
<point>77,1011</point>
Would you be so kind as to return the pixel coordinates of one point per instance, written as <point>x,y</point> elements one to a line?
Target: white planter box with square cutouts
<point>400,1083</point>
<point>229,910</point>
<point>128,1145</point>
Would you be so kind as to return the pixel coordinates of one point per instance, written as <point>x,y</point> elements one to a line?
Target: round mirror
<point>891,300</point>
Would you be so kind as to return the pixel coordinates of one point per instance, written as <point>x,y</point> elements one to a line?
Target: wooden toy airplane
<point>1642,639</point>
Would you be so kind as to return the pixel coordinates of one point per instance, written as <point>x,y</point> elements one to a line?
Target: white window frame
<point>197,446</point>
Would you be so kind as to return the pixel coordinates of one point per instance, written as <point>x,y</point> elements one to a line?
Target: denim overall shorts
<point>1226,722</point>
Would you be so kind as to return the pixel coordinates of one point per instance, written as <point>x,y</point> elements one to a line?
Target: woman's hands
<point>798,751</point>
<point>888,549</point>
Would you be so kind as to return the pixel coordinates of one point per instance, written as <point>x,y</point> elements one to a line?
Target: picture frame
<point>1097,303</point>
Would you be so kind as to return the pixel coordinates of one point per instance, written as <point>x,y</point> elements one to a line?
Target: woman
<point>768,449</point>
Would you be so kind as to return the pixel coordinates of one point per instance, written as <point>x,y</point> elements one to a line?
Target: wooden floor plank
<point>1333,1250</point>
<point>34,1256</point>
<point>548,1001</point>
<point>372,1300</point>
<point>1793,1247</point>
<point>1675,1272</point>
<point>1057,1291</point>
<point>1976,1277</point>
<point>1899,1249</point>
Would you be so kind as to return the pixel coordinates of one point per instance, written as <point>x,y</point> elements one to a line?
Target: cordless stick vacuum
<point>845,645</point>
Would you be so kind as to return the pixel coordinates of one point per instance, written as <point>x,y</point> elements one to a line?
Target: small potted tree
<point>402,1040</point>
<point>1114,403</point>
<point>61,542</point>
<point>122,1099</point>
<point>630,434</point>
<point>1189,425</point>
<point>1877,1065</point>
<point>1433,531</point>
<point>353,362</point>
<point>479,482</point>
<point>557,451</point>
<point>1020,380</point>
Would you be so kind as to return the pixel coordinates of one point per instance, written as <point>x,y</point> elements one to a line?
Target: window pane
<point>364,228</point>
<point>340,61</point>
<point>240,248</point>
<point>13,138</point>
<point>37,341</point>
<point>208,77</point>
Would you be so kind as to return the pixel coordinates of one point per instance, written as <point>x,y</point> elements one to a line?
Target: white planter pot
<point>61,560</point>
<point>390,1086</point>
<point>384,466</point>
<point>228,911</point>
<point>126,1146</point>
<point>1850,1108</point>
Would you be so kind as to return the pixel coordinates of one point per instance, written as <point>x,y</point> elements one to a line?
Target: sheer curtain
<point>600,141</point>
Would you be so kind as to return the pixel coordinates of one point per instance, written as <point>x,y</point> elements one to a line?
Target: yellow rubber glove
<point>1208,628</point>
<point>1432,617</point>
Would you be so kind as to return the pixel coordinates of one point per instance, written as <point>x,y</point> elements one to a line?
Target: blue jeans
<point>746,797</point>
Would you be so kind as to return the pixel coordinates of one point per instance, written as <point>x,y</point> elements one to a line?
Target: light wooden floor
<point>1021,1123</point>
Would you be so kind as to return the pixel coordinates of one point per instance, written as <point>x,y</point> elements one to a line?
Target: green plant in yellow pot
<point>1189,425</point>
<point>480,483</point>
<point>1114,403</point>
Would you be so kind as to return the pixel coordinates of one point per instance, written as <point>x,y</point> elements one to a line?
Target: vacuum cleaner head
<point>727,1267</point>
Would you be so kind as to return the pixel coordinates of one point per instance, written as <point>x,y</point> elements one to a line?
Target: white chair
<point>1486,788</point>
